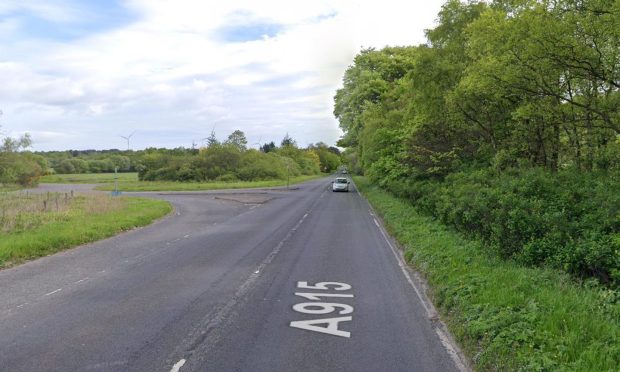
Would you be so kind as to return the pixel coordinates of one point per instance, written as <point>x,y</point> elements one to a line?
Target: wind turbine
<point>128,137</point>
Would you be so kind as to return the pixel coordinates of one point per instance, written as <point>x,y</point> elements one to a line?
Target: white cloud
<point>170,70</point>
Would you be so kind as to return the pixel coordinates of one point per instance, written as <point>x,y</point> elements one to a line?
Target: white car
<point>340,184</point>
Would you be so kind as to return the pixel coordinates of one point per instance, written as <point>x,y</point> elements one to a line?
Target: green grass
<point>9,187</point>
<point>196,186</point>
<point>505,316</point>
<point>28,231</point>
<point>129,182</point>
<point>89,178</point>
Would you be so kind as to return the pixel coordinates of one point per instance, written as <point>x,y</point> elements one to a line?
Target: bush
<point>259,166</point>
<point>567,220</point>
<point>21,168</point>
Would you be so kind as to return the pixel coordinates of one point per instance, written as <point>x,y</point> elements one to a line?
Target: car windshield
<point>341,180</point>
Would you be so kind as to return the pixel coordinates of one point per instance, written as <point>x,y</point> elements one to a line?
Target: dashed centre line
<point>178,365</point>
<point>52,292</point>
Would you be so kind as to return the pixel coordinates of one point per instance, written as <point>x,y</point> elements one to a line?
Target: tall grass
<point>35,225</point>
<point>90,178</point>
<point>25,211</point>
<point>506,316</point>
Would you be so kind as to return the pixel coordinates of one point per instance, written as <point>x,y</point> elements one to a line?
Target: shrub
<point>567,220</point>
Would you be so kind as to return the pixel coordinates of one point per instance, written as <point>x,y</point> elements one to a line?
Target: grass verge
<point>7,188</point>
<point>197,186</point>
<point>505,316</point>
<point>90,178</point>
<point>29,233</point>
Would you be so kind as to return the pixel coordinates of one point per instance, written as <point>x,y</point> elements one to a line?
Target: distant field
<point>36,225</point>
<point>89,178</point>
<point>196,186</point>
<point>129,182</point>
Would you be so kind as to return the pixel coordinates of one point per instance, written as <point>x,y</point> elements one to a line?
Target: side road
<point>230,281</point>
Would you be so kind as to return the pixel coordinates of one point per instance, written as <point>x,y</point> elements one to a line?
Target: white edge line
<point>430,312</point>
<point>178,365</point>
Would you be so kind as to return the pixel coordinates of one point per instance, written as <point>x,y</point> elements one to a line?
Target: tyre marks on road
<point>213,320</point>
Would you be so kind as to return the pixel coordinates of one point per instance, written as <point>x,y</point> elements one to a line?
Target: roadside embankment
<point>504,315</point>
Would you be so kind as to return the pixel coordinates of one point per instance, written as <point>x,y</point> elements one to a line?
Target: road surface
<point>250,280</point>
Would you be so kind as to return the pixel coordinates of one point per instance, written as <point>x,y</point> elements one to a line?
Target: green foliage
<point>259,166</point>
<point>505,125</point>
<point>18,166</point>
<point>568,220</point>
<point>329,159</point>
<point>237,139</point>
<point>536,80</point>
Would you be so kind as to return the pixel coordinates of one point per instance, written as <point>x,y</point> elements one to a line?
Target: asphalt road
<point>251,280</point>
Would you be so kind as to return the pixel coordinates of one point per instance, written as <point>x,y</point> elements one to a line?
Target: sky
<point>84,74</point>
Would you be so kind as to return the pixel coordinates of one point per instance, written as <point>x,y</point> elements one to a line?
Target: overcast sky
<point>81,74</point>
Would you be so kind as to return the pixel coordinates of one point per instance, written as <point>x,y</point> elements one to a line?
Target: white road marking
<point>331,329</point>
<point>178,365</point>
<point>213,320</point>
<point>52,292</point>
<point>22,305</point>
<point>316,296</point>
<point>186,236</point>
<point>81,280</point>
<point>430,311</point>
<point>322,308</point>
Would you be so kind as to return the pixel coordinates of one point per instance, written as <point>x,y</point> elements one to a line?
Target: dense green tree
<point>288,141</point>
<point>123,163</point>
<point>268,147</point>
<point>237,139</point>
<point>17,166</point>
<point>329,161</point>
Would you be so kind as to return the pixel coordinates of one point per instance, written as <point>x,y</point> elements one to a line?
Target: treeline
<point>505,124</point>
<point>91,161</point>
<point>226,160</point>
<point>231,160</point>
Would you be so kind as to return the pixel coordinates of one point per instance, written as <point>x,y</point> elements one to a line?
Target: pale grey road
<point>213,287</point>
